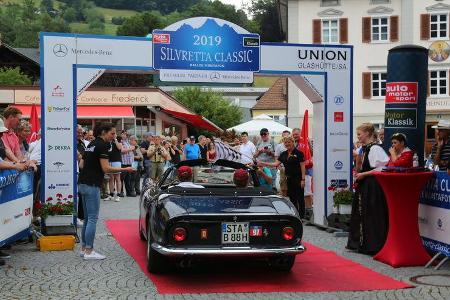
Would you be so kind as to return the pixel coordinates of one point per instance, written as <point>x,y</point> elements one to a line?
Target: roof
<point>275,97</point>
<point>31,53</point>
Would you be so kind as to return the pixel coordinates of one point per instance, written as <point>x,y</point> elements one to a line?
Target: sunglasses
<point>263,134</point>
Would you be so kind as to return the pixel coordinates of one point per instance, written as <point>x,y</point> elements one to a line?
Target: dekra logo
<point>58,147</point>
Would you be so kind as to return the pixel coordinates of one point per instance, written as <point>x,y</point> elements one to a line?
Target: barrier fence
<point>16,205</point>
<point>434,214</point>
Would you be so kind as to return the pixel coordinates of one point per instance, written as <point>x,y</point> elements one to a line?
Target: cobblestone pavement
<point>31,274</point>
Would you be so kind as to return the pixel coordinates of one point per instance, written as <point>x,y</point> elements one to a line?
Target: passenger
<point>240,178</point>
<point>185,178</point>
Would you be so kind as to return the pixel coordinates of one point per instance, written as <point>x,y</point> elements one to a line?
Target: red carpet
<point>317,270</point>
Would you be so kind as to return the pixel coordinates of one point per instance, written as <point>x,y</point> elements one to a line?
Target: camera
<point>266,148</point>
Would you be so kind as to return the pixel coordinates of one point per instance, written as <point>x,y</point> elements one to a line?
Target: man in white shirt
<point>185,178</point>
<point>247,149</point>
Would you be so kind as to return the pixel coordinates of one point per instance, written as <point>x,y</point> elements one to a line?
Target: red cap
<point>240,175</point>
<point>184,173</point>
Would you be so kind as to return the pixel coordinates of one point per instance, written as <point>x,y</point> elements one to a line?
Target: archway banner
<point>323,71</point>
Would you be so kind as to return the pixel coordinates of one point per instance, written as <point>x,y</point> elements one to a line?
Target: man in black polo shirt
<point>440,152</point>
<point>294,165</point>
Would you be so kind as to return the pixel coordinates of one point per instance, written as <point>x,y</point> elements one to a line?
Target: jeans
<point>91,206</point>
<point>127,180</point>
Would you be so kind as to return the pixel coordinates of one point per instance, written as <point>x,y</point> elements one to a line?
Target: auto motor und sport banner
<point>406,96</point>
<point>16,202</point>
<point>434,214</point>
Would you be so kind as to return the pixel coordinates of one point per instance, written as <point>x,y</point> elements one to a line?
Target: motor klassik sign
<point>206,50</point>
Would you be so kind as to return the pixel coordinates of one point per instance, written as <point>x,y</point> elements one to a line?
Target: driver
<point>240,178</point>
<point>185,178</point>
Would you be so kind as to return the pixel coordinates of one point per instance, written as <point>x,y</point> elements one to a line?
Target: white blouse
<point>377,158</point>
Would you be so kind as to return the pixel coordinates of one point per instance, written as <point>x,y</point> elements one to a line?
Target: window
<point>329,3</point>
<point>378,85</point>
<point>330,31</point>
<point>380,29</point>
<point>438,83</point>
<point>438,26</point>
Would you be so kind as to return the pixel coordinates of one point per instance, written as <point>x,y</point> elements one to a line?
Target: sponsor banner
<point>206,44</point>
<point>401,92</point>
<point>16,201</point>
<point>434,213</point>
<point>206,76</point>
<point>400,117</point>
<point>305,58</point>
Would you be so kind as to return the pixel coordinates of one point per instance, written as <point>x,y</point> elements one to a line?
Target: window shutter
<point>425,27</point>
<point>366,30</point>
<point>448,82</point>
<point>367,85</point>
<point>317,31</point>
<point>343,31</point>
<point>394,29</point>
<point>428,84</point>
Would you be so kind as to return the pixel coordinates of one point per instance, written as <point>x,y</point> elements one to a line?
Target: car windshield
<point>213,175</point>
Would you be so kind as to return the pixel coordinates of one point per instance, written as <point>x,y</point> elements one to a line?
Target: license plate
<point>235,233</point>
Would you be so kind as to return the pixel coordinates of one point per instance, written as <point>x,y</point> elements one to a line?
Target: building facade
<point>373,27</point>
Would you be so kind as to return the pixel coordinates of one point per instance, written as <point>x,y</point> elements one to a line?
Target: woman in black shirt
<point>94,165</point>
<point>294,165</point>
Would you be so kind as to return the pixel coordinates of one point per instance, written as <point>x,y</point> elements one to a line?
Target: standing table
<point>403,245</point>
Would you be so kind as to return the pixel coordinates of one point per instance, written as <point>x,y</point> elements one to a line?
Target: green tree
<point>13,76</point>
<point>266,17</point>
<point>70,15</point>
<point>141,24</point>
<point>211,105</point>
<point>217,9</point>
<point>47,6</point>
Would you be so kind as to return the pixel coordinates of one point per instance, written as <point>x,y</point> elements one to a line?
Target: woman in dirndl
<point>369,219</point>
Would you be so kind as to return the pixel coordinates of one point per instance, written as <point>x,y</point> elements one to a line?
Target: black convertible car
<point>184,224</point>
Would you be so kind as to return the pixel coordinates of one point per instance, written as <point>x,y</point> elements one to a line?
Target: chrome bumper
<point>228,251</point>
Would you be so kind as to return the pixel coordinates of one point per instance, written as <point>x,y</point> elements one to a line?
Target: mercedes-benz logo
<point>60,50</point>
<point>214,76</point>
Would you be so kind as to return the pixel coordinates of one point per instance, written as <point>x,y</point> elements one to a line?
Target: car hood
<point>177,205</point>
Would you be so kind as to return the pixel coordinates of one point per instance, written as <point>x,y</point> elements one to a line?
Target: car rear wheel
<point>282,263</point>
<point>156,263</point>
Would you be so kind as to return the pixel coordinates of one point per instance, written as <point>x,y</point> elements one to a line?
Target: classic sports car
<point>184,224</point>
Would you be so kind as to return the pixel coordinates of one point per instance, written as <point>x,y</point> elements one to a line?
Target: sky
<point>237,3</point>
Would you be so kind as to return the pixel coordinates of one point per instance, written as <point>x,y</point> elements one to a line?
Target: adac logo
<point>60,50</point>
<point>57,91</point>
<point>58,147</point>
<point>338,165</point>
<point>338,100</point>
<point>51,187</point>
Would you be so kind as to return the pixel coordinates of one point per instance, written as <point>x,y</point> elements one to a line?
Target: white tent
<point>262,121</point>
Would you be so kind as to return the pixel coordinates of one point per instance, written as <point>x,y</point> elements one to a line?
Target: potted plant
<point>59,213</point>
<point>342,199</point>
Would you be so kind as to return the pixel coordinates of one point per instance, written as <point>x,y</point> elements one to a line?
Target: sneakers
<point>81,253</point>
<point>4,255</point>
<point>116,198</point>
<point>93,256</point>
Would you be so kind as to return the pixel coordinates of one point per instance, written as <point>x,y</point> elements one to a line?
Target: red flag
<point>304,145</point>
<point>35,125</point>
